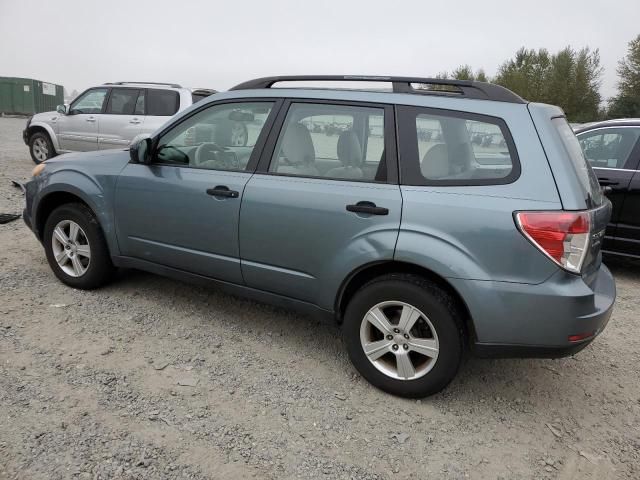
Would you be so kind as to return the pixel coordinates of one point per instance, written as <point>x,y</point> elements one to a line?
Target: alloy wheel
<point>71,248</point>
<point>40,149</point>
<point>399,340</point>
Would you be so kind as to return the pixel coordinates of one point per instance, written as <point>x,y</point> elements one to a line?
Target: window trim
<point>252,164</point>
<point>634,154</point>
<point>391,158</point>
<point>146,101</point>
<point>410,173</point>
<point>106,105</point>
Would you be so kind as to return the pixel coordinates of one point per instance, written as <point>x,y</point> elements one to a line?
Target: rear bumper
<point>520,320</point>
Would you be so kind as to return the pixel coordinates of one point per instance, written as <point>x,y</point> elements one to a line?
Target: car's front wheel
<point>75,246</point>
<point>404,335</point>
<point>40,147</point>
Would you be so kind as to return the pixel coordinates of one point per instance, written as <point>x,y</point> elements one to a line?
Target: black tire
<point>99,270</point>
<point>36,140</point>
<point>442,312</point>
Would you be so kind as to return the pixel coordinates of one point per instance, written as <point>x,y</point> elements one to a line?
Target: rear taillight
<point>562,236</point>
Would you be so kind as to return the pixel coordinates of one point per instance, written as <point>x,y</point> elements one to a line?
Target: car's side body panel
<point>297,238</point>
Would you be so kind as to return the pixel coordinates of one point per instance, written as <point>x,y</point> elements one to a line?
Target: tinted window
<point>221,137</point>
<point>334,141</point>
<point>459,149</point>
<point>90,101</point>
<point>587,178</point>
<point>162,103</point>
<point>122,101</point>
<point>609,147</point>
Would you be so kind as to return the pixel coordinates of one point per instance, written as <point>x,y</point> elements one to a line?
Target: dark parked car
<point>613,150</point>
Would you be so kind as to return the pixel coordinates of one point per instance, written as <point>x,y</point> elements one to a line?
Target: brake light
<point>562,236</point>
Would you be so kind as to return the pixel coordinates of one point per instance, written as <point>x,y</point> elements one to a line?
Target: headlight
<point>38,169</point>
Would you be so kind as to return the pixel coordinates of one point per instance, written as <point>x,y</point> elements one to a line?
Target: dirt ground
<point>152,378</point>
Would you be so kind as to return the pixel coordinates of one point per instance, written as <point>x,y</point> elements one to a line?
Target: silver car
<point>107,116</point>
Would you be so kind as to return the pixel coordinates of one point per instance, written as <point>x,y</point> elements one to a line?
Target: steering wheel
<point>207,153</point>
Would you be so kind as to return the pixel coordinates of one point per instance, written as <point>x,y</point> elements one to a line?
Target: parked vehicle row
<point>107,116</point>
<point>420,248</point>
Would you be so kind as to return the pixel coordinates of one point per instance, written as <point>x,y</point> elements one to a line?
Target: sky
<point>214,44</point>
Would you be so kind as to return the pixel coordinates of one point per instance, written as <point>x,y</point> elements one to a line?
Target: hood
<point>45,117</point>
<point>97,160</point>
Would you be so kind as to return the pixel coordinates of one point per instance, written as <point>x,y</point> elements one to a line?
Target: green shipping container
<point>25,96</point>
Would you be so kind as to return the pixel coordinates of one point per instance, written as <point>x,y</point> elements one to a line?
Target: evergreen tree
<point>627,102</point>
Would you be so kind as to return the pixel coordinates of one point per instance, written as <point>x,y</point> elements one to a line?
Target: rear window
<point>439,147</point>
<point>585,174</point>
<point>162,103</point>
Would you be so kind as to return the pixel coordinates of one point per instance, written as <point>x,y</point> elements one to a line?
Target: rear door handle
<point>222,191</point>
<point>367,207</point>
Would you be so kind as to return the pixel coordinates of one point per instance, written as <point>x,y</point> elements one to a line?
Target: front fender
<point>86,189</point>
<point>49,129</point>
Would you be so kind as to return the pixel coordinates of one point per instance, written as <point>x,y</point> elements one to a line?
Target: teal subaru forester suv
<point>429,218</point>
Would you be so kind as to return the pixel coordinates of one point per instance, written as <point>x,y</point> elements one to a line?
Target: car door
<point>324,201</point>
<point>122,118</point>
<point>182,209</point>
<point>78,129</point>
<point>613,155</point>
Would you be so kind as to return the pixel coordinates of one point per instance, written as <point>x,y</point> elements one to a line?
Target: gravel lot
<point>152,378</point>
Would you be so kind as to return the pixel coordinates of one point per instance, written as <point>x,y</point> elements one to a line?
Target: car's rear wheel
<point>404,335</point>
<point>40,147</point>
<point>75,246</point>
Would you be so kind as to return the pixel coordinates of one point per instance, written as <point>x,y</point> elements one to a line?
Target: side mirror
<point>140,150</point>
<point>62,109</point>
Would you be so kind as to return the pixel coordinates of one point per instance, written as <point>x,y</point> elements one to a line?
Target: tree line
<point>570,78</point>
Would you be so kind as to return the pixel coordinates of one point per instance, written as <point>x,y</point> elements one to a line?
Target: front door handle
<point>222,191</point>
<point>135,121</point>
<point>367,207</point>
<point>91,119</point>
<point>606,182</point>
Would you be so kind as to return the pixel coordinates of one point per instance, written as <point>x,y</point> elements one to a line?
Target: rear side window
<point>162,103</point>
<point>122,101</point>
<point>455,148</point>
<point>585,174</point>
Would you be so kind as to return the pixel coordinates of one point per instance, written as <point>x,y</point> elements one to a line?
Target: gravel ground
<point>152,378</point>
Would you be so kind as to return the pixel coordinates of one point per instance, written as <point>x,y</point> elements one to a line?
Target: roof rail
<point>465,88</point>
<point>167,84</point>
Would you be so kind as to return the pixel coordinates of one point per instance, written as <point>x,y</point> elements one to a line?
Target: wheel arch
<point>49,203</point>
<point>44,128</point>
<point>365,273</point>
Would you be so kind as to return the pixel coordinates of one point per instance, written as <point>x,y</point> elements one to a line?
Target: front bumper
<point>521,320</point>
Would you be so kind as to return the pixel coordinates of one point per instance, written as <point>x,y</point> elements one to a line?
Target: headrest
<point>435,163</point>
<point>297,145</point>
<point>349,149</point>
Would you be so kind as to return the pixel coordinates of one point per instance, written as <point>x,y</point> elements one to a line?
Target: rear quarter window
<point>162,103</point>
<point>440,147</point>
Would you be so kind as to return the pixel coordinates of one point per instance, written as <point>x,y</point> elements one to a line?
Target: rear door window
<point>122,101</point>
<point>439,147</point>
<point>162,103</point>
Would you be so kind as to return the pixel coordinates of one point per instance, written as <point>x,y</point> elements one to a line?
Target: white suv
<point>108,116</point>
